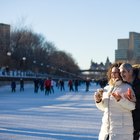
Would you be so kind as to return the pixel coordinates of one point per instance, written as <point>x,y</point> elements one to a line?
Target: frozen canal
<point>59,116</point>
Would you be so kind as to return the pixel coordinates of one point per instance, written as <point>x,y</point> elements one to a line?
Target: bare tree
<point>39,53</point>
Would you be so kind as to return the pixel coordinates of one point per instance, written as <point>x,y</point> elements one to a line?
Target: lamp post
<point>34,61</point>
<point>41,64</point>
<point>8,53</point>
<point>24,59</point>
<point>8,62</point>
<point>34,67</point>
<point>42,71</point>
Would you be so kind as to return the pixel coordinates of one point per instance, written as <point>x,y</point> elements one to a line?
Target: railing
<point>27,75</point>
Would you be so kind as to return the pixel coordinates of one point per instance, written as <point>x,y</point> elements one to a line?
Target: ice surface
<point>59,116</point>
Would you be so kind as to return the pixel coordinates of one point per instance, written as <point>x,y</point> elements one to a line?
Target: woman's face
<point>126,75</point>
<point>115,74</point>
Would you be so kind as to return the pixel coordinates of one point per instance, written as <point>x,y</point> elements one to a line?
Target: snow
<point>59,116</point>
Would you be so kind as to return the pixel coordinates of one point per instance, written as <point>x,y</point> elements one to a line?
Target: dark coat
<point>136,112</point>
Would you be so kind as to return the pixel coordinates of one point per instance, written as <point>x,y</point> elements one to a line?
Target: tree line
<point>31,51</point>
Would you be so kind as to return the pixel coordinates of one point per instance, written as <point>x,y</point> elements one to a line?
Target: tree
<point>40,53</point>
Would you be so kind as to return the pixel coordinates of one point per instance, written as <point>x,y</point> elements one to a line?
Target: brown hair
<point>117,65</point>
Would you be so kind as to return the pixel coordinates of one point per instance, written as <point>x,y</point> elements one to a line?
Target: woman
<point>131,74</point>
<point>117,123</point>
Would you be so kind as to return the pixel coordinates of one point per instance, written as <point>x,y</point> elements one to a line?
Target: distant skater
<point>13,86</point>
<point>21,85</point>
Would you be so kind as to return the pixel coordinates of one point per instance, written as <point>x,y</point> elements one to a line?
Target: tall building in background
<point>4,42</point>
<point>4,36</point>
<point>121,54</point>
<point>129,49</point>
<point>134,46</point>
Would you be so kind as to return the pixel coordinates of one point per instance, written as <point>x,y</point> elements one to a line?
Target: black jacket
<point>136,112</point>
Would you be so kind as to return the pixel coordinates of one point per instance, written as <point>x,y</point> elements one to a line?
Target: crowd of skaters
<point>47,85</point>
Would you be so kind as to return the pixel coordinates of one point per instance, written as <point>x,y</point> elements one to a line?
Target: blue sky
<point>88,29</point>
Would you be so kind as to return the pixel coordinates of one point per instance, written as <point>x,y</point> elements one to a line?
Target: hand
<point>128,95</point>
<point>116,96</point>
<point>97,96</point>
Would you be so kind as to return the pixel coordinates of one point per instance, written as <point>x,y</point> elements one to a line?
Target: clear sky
<point>87,29</point>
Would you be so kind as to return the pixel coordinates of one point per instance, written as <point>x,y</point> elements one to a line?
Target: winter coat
<point>47,83</point>
<point>136,112</point>
<point>117,118</point>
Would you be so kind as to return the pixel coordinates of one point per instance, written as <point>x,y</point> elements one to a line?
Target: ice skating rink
<point>59,116</point>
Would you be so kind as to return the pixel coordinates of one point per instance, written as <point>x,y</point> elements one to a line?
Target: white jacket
<point>117,118</point>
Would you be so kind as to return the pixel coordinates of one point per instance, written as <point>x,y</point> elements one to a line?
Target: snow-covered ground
<point>59,116</point>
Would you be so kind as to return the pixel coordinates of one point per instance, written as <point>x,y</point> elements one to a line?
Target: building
<point>98,71</point>
<point>4,42</point>
<point>129,49</point>
<point>101,66</point>
<point>4,36</point>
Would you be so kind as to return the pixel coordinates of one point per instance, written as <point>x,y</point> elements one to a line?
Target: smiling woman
<point>115,107</point>
<point>130,75</point>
